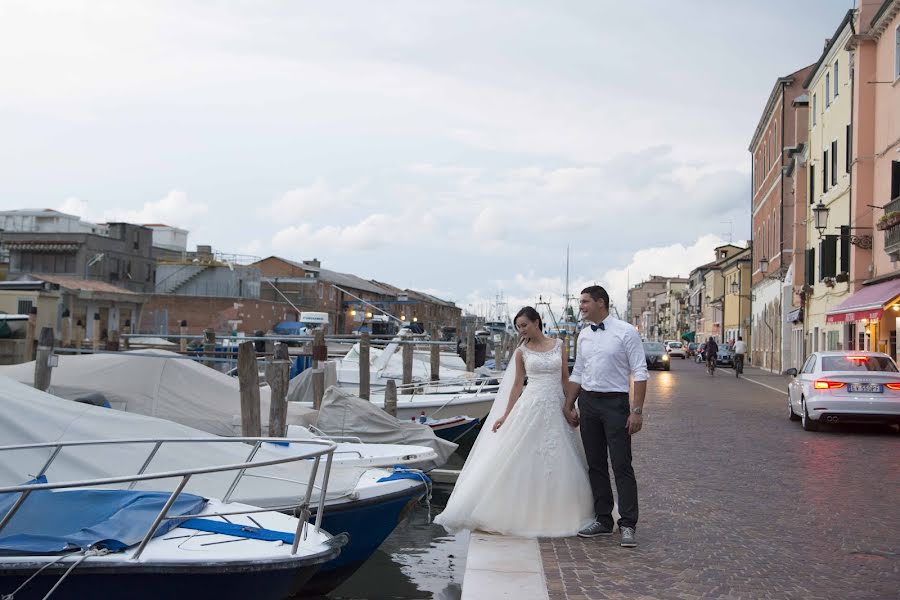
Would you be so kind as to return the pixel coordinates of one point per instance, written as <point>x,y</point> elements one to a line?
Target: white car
<point>844,387</point>
<point>676,349</point>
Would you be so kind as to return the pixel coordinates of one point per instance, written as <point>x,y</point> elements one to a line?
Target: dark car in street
<point>656,355</point>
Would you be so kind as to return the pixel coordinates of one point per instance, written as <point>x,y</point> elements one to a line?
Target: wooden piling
<point>390,398</point>
<point>407,353</point>
<point>435,358</point>
<point>278,372</point>
<point>95,333</point>
<point>248,376</point>
<point>319,349</point>
<point>209,347</point>
<point>470,351</point>
<point>365,373</point>
<point>66,328</point>
<point>318,384</point>
<point>42,361</point>
<point>30,333</point>
<point>79,335</point>
<point>182,341</point>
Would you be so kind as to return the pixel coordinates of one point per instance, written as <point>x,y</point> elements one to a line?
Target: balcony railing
<point>892,234</point>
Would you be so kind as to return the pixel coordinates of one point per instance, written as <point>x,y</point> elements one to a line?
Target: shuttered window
<point>810,266</point>
<point>834,162</point>
<point>845,249</point>
<point>828,256</point>
<point>825,172</point>
<point>812,184</point>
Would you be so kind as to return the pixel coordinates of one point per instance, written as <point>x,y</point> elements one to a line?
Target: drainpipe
<point>781,229</point>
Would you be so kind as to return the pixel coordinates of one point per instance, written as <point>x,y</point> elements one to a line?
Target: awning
<point>689,336</point>
<point>867,303</point>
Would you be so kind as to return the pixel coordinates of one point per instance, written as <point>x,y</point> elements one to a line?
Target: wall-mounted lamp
<point>820,216</point>
<point>353,313</point>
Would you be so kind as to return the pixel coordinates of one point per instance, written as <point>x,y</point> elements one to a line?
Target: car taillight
<point>892,386</point>
<point>823,384</point>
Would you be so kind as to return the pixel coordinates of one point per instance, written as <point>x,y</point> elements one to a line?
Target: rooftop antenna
<point>730,230</point>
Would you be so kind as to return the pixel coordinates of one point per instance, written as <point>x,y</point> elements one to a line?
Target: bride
<point>526,474</point>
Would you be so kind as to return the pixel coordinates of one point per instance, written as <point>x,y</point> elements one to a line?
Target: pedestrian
<point>610,355</point>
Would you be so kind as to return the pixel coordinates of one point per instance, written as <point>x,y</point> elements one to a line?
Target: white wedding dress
<point>530,477</point>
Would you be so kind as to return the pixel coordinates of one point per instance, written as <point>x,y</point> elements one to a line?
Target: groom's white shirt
<point>608,358</point>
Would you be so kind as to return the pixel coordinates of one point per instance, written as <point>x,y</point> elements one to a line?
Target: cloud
<point>308,202</point>
<point>74,206</point>
<point>370,233</point>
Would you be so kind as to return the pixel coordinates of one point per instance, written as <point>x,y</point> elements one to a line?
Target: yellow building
<point>736,275</point>
<point>828,249</point>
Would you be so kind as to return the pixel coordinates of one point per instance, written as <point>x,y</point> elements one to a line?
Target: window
<point>897,54</point>
<point>766,156</point>
<point>775,143</point>
<point>825,172</point>
<point>848,143</point>
<point>845,249</point>
<point>836,78</point>
<point>895,179</point>
<point>812,184</point>
<point>23,307</point>
<point>827,90</point>
<point>834,162</point>
<point>828,256</point>
<point>814,104</point>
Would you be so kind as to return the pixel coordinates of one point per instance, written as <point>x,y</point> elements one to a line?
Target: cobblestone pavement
<point>738,502</point>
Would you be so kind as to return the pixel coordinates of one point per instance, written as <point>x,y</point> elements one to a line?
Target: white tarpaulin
<point>159,385</point>
<point>343,414</point>
<point>29,416</point>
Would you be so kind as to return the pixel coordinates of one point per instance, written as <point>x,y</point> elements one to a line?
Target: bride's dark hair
<point>532,315</point>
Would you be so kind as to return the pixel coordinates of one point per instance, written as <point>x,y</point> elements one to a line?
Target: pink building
<point>873,311</point>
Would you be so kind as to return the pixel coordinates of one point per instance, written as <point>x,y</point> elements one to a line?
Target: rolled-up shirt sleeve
<point>637,360</point>
<point>578,369</point>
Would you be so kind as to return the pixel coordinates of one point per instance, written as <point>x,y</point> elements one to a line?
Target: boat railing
<point>319,448</point>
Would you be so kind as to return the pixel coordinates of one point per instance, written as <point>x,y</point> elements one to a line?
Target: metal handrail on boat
<point>327,449</point>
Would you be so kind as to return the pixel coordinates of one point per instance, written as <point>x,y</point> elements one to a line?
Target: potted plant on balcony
<point>888,220</point>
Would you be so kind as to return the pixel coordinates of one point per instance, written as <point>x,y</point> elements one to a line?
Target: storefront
<point>870,318</point>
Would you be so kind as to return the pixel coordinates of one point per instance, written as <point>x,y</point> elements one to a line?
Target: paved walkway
<point>503,567</point>
<point>737,502</point>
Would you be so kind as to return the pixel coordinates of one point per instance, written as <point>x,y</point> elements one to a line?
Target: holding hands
<point>571,415</point>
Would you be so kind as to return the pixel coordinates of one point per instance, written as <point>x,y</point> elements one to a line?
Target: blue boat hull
<point>456,432</point>
<point>368,523</point>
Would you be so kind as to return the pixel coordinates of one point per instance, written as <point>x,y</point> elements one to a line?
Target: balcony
<point>892,233</point>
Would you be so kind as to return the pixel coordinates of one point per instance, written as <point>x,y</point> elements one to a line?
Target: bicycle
<point>711,367</point>
<point>738,364</point>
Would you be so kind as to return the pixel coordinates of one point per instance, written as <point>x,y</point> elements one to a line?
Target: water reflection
<point>418,561</point>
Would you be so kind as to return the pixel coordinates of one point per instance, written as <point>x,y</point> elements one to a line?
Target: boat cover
<point>343,414</point>
<point>51,521</point>
<point>29,416</point>
<point>161,385</point>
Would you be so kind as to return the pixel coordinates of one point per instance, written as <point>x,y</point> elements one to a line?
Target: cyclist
<point>711,351</point>
<point>740,351</point>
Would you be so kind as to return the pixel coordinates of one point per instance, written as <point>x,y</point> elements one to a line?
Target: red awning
<point>867,303</point>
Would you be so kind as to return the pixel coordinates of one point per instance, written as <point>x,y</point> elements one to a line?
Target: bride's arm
<point>516,390</point>
<point>565,364</point>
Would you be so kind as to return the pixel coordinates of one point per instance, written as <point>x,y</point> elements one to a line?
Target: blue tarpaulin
<point>58,521</point>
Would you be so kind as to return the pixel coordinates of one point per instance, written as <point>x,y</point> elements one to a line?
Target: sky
<point>454,147</point>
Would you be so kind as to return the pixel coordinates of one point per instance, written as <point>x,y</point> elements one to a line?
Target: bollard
<point>390,398</point>
<point>278,376</point>
<point>435,359</point>
<point>182,342</point>
<point>470,351</point>
<point>407,353</point>
<point>365,372</point>
<point>42,361</point>
<point>318,383</point>
<point>248,377</point>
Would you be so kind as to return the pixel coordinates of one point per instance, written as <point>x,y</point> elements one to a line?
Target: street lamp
<point>820,216</point>
<point>764,265</point>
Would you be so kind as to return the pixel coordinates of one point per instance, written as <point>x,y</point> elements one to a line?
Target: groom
<point>609,354</point>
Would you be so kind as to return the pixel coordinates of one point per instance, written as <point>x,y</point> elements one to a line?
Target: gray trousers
<point>604,431</point>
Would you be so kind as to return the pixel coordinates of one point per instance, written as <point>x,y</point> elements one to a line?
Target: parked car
<point>725,356</point>
<point>692,349</point>
<point>844,387</point>
<point>676,349</point>
<point>656,355</point>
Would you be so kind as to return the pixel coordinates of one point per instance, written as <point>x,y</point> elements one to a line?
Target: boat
<point>98,537</point>
<point>365,496</point>
<point>452,429</point>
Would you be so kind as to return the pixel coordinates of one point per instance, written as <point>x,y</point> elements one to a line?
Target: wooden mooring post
<point>209,348</point>
<point>319,349</point>
<point>30,334</point>
<point>407,353</point>
<point>365,373</point>
<point>278,376</point>
<point>390,398</point>
<point>66,328</point>
<point>182,341</point>
<point>318,384</point>
<point>42,361</point>
<point>435,358</point>
<point>470,351</point>
<point>248,376</point>
<point>79,335</point>
<point>95,333</point>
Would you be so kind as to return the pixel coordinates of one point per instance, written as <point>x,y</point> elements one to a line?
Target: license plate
<point>866,388</point>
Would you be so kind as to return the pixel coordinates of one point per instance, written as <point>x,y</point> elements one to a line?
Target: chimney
<point>313,263</point>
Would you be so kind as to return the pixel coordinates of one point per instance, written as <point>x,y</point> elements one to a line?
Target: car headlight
<point>665,357</point>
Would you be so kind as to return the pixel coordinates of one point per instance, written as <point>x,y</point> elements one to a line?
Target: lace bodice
<point>543,368</point>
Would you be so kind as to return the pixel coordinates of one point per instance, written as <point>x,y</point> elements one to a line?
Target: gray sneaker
<point>595,529</point>
<point>628,540</point>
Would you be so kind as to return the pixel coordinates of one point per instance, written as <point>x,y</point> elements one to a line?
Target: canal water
<point>419,561</point>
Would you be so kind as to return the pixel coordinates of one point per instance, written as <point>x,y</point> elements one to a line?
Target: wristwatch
<point>637,410</point>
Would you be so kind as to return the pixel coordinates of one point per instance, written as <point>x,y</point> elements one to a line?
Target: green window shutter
<point>845,249</point>
<point>810,266</point>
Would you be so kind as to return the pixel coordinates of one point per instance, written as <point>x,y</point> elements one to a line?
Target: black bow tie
<point>599,326</point>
